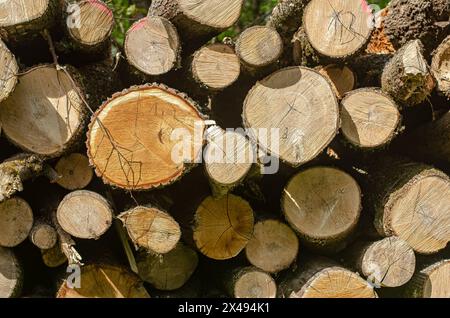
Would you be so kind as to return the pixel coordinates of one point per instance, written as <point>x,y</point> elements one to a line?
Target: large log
<point>223,227</point>
<point>323,205</point>
<point>16,221</point>
<point>130,153</point>
<point>292,114</point>
<point>10,274</point>
<point>430,281</point>
<point>8,70</point>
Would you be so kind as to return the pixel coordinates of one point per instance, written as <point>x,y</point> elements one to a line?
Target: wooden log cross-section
<point>8,71</point>
<point>440,67</point>
<point>430,281</point>
<point>369,118</point>
<point>48,102</point>
<point>250,282</point>
<point>223,227</point>
<point>43,235</point>
<point>16,221</point>
<point>336,28</point>
<point>142,137</point>
<point>342,78</point>
<point>323,205</point>
<point>293,114</point>
<point>10,274</point>
<point>74,172</point>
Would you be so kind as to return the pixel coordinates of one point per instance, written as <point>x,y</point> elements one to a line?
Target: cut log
<point>411,201</point>
<point>342,78</point>
<point>104,281</point>
<point>16,221</point>
<point>89,25</point>
<point>431,281</point>
<point>323,205</point>
<point>198,20</point>
<point>427,21</point>
<point>215,66</point>
<point>223,227</point>
<point>389,262</point>
<point>168,271</point>
<point>23,18</point>
<point>440,67</point>
<point>48,103</point>
<point>292,114</point>
<point>336,28</point>
<point>152,46</point>
<point>321,278</point>
<point>84,214</point>
<point>74,172</point>
<point>10,274</point>
<point>379,42</point>
<point>43,235</point>
<point>259,48</point>
<point>369,68</point>
<point>369,118</point>
<point>8,70</point>
<point>406,77</point>
<point>134,138</point>
<point>16,170</point>
<point>53,257</point>
<point>250,282</point>
<point>273,246</point>
<point>303,54</point>
<point>151,229</point>
<point>228,157</point>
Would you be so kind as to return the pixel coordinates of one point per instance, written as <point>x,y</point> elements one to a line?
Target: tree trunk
<point>430,281</point>
<point>440,67</point>
<point>250,282</point>
<point>322,278</point>
<point>16,221</point>
<point>297,111</point>
<point>11,274</point>
<point>84,214</point>
<point>223,227</point>
<point>273,246</point>
<point>370,119</point>
<point>151,229</point>
<point>389,262</point>
<point>129,153</point>
<point>74,172</point>
<point>168,271</point>
<point>323,205</point>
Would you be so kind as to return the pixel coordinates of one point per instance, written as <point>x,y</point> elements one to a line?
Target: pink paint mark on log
<point>102,6</point>
<point>139,24</point>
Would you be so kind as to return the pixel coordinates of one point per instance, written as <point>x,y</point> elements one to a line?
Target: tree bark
<point>440,67</point>
<point>11,278</point>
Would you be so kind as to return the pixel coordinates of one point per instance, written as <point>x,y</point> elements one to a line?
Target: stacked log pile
<point>309,156</point>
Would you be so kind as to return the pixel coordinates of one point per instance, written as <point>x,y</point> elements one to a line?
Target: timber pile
<point>336,184</point>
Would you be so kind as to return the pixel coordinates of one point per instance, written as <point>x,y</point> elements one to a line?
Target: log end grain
<point>253,283</point>
<point>8,70</point>
<point>16,221</point>
<point>43,236</point>
<point>10,274</point>
<point>342,78</point>
<point>431,281</point>
<point>440,67</point>
<point>74,171</point>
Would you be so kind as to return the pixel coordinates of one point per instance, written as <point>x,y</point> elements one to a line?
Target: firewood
<point>84,214</point>
<point>300,106</point>
<point>430,281</point>
<point>9,71</point>
<point>168,271</point>
<point>16,221</point>
<point>11,274</point>
<point>43,235</point>
<point>342,78</point>
<point>53,257</point>
<point>323,205</point>
<point>273,246</point>
<point>223,226</point>
<point>250,282</point>
<point>440,67</point>
<point>152,229</point>
<point>303,54</point>
<point>370,118</point>
<point>132,154</point>
<point>74,172</point>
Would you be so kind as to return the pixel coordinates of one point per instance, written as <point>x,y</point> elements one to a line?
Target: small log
<point>427,21</point>
<point>406,77</point>
<point>402,190</point>
<point>84,214</point>
<point>259,48</point>
<point>130,153</point>
<point>430,281</point>
<point>74,172</point>
<point>198,21</point>
<point>104,281</point>
<point>300,106</point>
<point>250,282</point>
<point>389,262</point>
<point>322,278</point>
<point>273,246</point>
<point>215,66</point>
<point>228,157</point>
<point>10,274</point>
<point>336,28</point>
<point>342,78</point>
<point>323,205</point>
<point>369,118</point>
<point>23,19</point>
<point>168,271</point>
<point>440,67</point>
<point>152,229</point>
<point>223,227</point>
<point>16,221</point>
<point>88,25</point>
<point>152,46</point>
<point>9,70</point>
<point>53,257</point>
<point>48,103</point>
<point>43,235</point>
